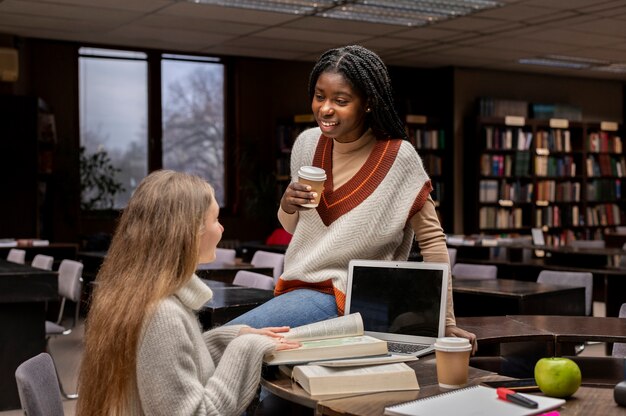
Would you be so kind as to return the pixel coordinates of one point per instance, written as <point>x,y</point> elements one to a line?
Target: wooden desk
<point>229,302</point>
<point>227,273</point>
<point>23,292</point>
<point>572,329</point>
<point>609,282</point>
<point>513,297</point>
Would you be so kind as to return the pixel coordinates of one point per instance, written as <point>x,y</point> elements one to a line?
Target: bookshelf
<point>429,138</point>
<point>563,177</point>
<point>287,130</point>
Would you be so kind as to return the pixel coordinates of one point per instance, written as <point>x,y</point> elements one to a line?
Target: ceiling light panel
<point>302,7</point>
<point>396,12</point>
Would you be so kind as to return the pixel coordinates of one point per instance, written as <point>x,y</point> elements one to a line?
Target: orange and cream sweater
<point>370,208</point>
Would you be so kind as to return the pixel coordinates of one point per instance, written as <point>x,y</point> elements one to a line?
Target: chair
<point>452,256</point>
<point>467,271</point>
<point>17,256</point>
<point>252,279</point>
<point>587,243</point>
<point>576,279</point>
<point>619,348</point>
<point>38,387</point>
<point>225,256</point>
<point>41,261</point>
<point>70,287</point>
<point>267,259</point>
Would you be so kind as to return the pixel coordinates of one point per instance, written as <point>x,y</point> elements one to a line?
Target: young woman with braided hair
<point>144,351</point>
<point>375,201</point>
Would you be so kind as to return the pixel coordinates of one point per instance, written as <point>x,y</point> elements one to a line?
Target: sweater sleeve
<point>432,243</point>
<point>217,339</point>
<point>169,367</point>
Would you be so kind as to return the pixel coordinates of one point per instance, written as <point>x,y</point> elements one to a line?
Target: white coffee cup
<point>315,178</point>
<point>452,355</point>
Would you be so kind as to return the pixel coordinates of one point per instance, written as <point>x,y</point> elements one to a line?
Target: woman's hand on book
<point>274,333</point>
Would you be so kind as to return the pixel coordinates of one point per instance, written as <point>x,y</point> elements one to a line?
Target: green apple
<point>557,376</point>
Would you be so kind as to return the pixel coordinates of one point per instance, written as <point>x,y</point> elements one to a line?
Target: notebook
<point>401,302</point>
<point>475,400</point>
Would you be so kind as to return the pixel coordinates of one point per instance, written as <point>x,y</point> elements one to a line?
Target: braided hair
<point>368,75</point>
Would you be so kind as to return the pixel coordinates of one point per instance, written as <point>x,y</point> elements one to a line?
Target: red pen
<point>513,397</point>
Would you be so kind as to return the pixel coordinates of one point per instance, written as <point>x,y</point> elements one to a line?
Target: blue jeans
<point>295,308</point>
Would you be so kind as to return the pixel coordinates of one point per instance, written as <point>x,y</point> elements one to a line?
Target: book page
<point>342,326</point>
<point>320,371</point>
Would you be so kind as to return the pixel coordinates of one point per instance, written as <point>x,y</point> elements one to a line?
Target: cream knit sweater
<point>366,218</point>
<point>182,371</point>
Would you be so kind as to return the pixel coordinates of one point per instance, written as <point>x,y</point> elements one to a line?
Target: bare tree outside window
<point>113,117</point>
<point>193,120</point>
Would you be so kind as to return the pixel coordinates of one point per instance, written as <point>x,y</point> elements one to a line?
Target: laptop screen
<point>405,298</point>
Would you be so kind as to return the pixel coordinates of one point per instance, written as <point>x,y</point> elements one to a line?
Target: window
<point>193,118</point>
<point>113,121</point>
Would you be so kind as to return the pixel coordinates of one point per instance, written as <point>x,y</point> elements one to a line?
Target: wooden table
<point>226,273</point>
<point>573,329</point>
<point>23,293</point>
<point>511,297</point>
<point>586,401</point>
<point>229,302</point>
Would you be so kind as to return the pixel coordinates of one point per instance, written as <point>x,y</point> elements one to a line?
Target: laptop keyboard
<point>405,348</point>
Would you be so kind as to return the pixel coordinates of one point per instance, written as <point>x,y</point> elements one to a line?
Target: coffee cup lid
<point>312,173</point>
<point>453,344</point>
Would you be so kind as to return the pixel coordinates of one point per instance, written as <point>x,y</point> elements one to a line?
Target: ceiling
<point>496,38</point>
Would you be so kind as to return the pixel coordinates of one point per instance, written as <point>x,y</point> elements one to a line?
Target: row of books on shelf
<point>555,166</point>
<point>487,240</point>
<point>604,189</point>
<point>432,164</point>
<point>557,216</point>
<point>492,190</point>
<point>606,165</point>
<point>560,216</point>
<point>604,215</point>
<point>505,165</point>
<point>507,138</point>
<point>500,218</point>
<point>431,139</point>
<point>555,140</point>
<point>603,142</point>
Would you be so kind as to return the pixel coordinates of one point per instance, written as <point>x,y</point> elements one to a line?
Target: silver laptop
<point>401,302</point>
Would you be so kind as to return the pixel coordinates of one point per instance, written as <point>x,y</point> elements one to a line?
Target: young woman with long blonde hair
<point>144,350</point>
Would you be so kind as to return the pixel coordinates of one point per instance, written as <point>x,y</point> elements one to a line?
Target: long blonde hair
<point>154,252</point>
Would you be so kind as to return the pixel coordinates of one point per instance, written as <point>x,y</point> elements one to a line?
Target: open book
<point>335,338</point>
<point>319,381</point>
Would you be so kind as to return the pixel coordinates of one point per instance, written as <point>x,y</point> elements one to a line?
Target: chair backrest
<point>467,271</point>
<point>587,243</point>
<point>576,279</point>
<point>38,387</point>
<point>70,284</point>
<point>225,255</point>
<point>41,261</point>
<point>267,259</point>
<point>452,256</point>
<point>17,256</point>
<point>619,348</point>
<point>252,279</point>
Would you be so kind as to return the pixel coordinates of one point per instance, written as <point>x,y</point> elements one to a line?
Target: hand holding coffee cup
<point>315,178</point>
<point>305,193</point>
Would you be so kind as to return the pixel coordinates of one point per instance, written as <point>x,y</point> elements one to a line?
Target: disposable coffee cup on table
<point>315,178</point>
<point>452,357</point>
